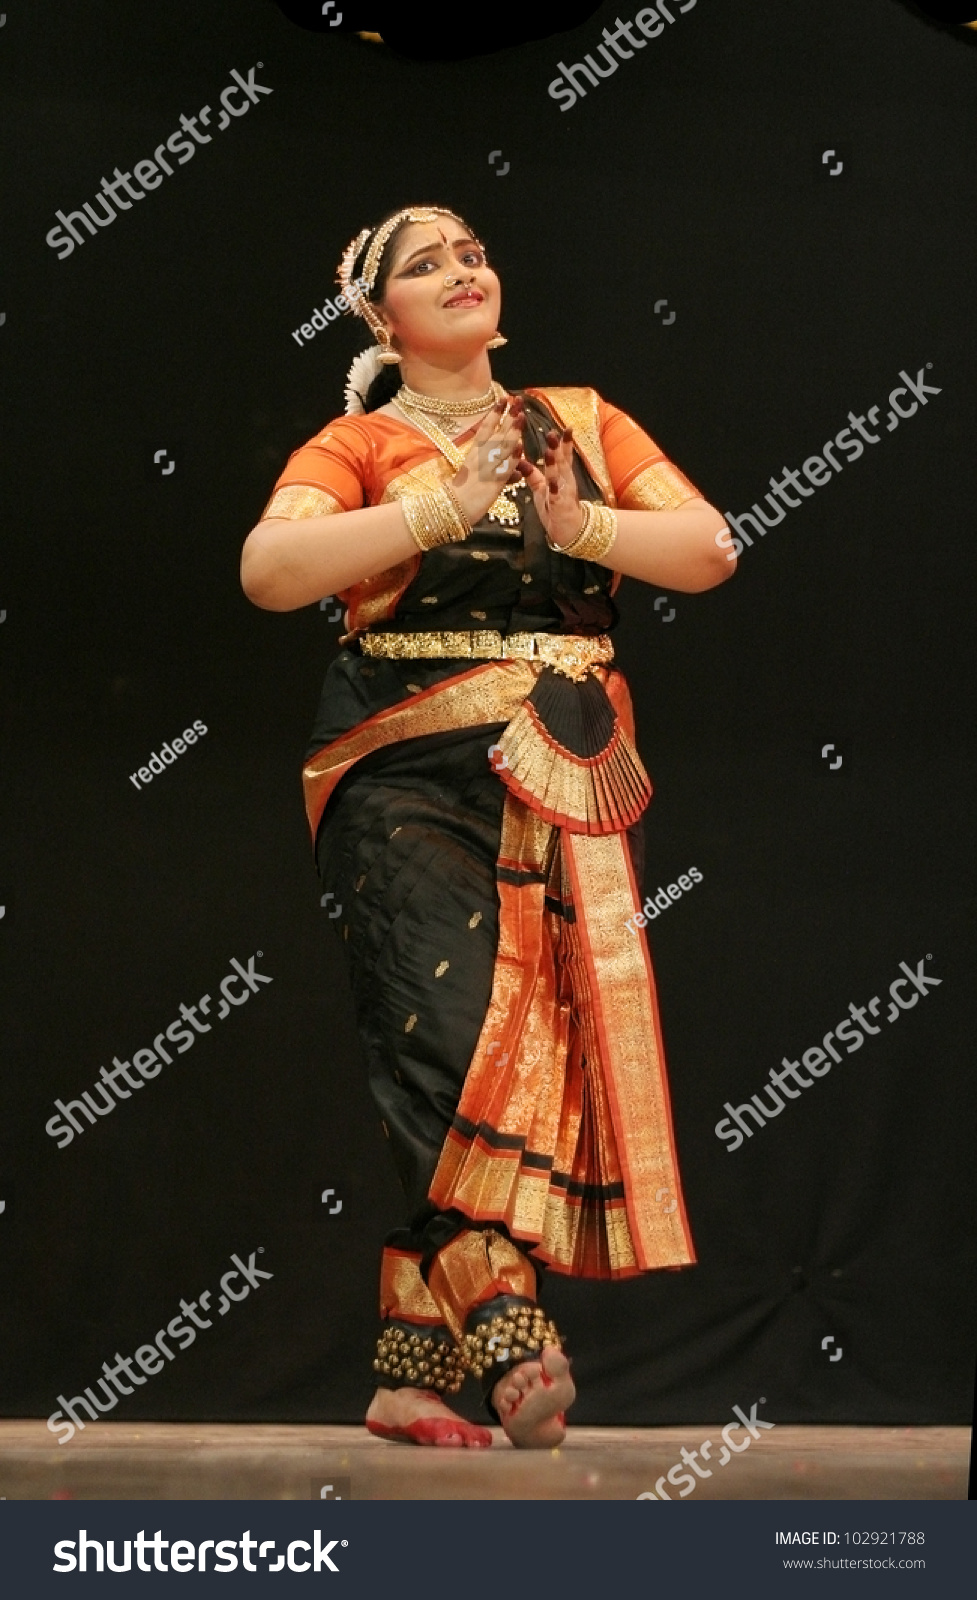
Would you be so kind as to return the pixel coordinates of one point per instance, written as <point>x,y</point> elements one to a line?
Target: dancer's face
<point>442,298</point>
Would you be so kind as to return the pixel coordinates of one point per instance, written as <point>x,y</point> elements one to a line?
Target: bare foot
<point>531,1400</point>
<point>401,1409</point>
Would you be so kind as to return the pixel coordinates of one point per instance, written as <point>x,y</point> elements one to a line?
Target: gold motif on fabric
<point>403,1292</point>
<point>471,1265</point>
<point>301,500</point>
<point>579,409</point>
<point>579,1082</point>
<point>602,795</point>
<point>490,693</point>
<point>658,488</point>
<point>628,1038</point>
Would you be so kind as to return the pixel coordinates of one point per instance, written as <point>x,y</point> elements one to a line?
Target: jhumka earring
<point>497,341</point>
<point>388,356</point>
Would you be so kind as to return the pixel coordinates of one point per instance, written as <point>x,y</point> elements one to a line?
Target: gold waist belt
<point>571,653</point>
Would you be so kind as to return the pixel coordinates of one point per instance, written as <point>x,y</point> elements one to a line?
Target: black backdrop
<point>693,176</point>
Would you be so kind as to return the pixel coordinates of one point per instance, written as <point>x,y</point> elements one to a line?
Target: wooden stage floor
<point>250,1461</point>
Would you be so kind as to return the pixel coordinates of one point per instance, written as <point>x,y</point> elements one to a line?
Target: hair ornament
<point>357,295</point>
<point>365,368</point>
<point>356,292</point>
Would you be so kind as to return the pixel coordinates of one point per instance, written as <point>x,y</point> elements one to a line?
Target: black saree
<point>481,830</point>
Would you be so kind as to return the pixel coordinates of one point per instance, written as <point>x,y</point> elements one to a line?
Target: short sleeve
<point>328,474</point>
<point>642,476</point>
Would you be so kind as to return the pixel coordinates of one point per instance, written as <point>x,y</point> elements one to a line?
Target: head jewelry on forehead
<point>356,292</point>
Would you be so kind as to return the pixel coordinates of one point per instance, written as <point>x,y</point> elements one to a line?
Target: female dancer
<point>475,796</point>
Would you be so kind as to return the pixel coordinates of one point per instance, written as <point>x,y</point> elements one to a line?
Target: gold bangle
<point>459,508</point>
<point>434,519</point>
<point>595,541</point>
<point>595,537</point>
<point>587,508</point>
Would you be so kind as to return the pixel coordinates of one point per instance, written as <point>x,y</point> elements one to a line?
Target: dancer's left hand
<point>554,489</point>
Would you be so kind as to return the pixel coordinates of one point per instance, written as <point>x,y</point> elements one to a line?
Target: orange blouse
<point>358,461</point>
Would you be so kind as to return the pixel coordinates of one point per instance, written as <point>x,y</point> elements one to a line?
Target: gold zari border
<point>579,409</point>
<point>301,500</point>
<point>658,488</point>
<point>490,693</point>
<point>569,1069</point>
<point>478,1265</point>
<point>403,1292</point>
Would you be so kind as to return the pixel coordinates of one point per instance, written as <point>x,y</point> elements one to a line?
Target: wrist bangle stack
<point>595,537</point>
<point>458,508</point>
<point>435,518</point>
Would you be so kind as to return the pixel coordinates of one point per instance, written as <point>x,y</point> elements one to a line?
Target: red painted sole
<point>442,1431</point>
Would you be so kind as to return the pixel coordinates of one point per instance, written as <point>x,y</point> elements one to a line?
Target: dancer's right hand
<point>490,462</point>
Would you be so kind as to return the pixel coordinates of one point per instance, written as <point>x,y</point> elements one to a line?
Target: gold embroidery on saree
<point>301,500</point>
<point>474,1266</point>
<point>563,1130</point>
<point>658,488</point>
<point>403,1292</point>
<point>625,1013</point>
<point>578,409</point>
<point>490,693</point>
<point>600,795</point>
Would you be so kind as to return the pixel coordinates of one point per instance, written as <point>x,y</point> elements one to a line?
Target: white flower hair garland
<point>366,366</point>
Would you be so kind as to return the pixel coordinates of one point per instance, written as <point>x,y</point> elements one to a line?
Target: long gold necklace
<point>504,509</point>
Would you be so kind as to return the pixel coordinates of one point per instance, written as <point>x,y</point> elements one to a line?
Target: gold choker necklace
<point>447,408</point>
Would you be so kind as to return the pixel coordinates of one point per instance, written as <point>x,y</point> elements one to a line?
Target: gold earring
<point>388,356</point>
<point>497,341</point>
